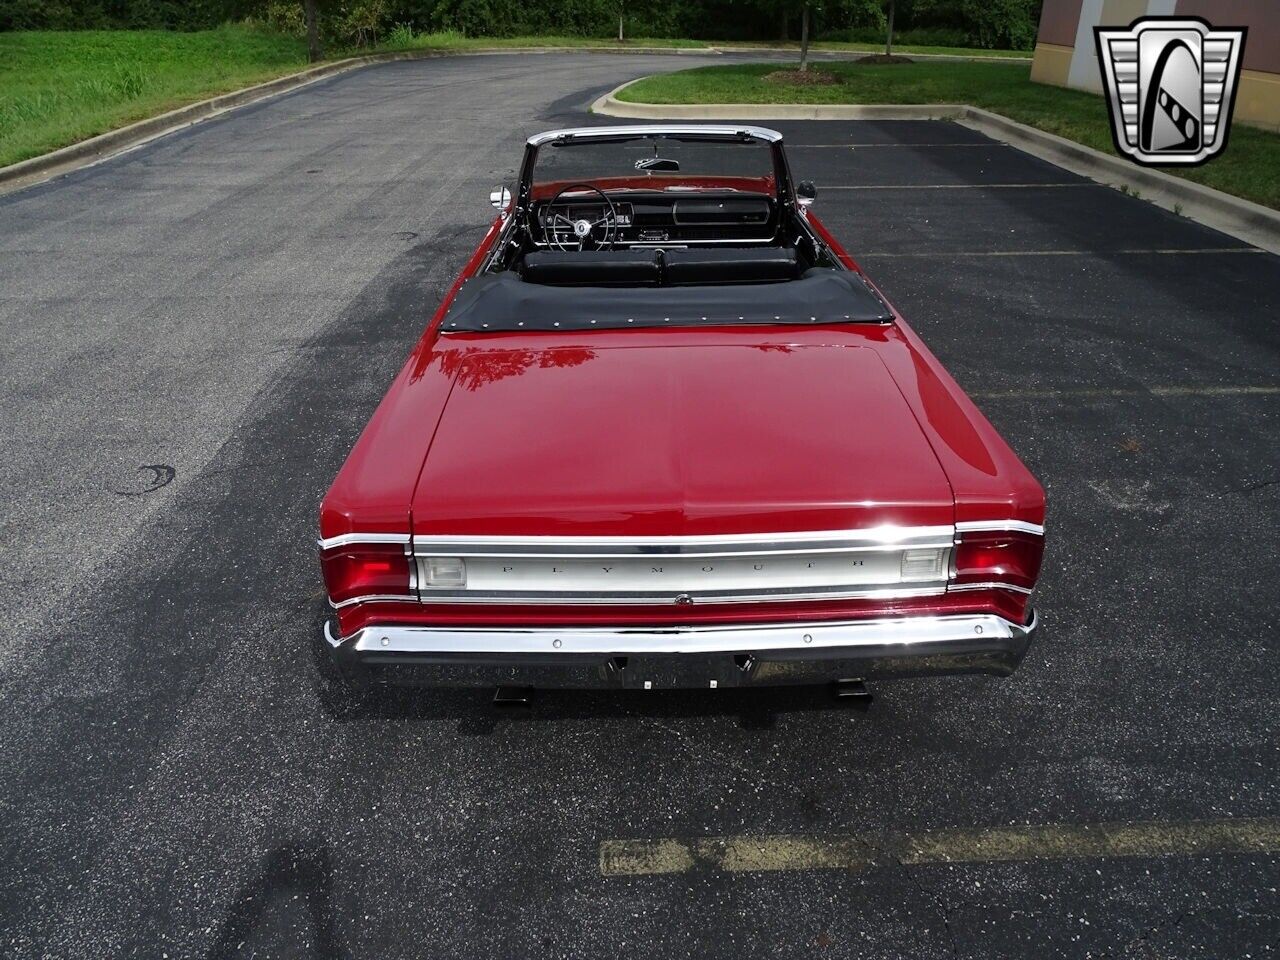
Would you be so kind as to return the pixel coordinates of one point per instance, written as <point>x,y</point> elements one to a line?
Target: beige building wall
<point>1066,55</point>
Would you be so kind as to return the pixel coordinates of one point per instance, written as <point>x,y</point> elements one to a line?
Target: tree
<point>888,44</point>
<point>804,39</point>
<point>314,52</point>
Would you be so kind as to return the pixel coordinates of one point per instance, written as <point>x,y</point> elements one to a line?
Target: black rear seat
<point>710,265</point>
<point>593,268</point>
<point>646,267</point>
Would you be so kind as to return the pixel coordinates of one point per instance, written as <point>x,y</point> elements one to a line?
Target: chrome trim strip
<point>346,539</point>
<point>570,598</point>
<point>555,643</point>
<point>996,526</point>
<point>374,597</point>
<point>987,586</point>
<point>436,549</point>
<point>718,545</point>
<point>718,131</point>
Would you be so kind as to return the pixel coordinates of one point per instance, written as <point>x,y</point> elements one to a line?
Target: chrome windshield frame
<point>705,133</point>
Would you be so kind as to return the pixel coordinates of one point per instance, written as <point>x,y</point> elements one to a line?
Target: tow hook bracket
<point>513,697</point>
<point>852,690</point>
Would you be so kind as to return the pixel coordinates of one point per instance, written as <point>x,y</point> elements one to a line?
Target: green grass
<point>1249,168</point>
<point>60,87</point>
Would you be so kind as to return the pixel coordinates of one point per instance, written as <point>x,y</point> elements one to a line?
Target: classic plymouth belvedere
<point>663,431</point>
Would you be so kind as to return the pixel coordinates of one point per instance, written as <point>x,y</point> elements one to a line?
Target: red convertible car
<point>663,431</point>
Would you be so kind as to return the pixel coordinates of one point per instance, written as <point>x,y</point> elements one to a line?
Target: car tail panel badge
<point>1170,84</point>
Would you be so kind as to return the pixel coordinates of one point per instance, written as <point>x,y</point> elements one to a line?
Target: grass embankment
<point>1249,168</point>
<point>59,87</point>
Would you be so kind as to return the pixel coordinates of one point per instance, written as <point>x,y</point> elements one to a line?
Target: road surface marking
<point>791,852</point>
<point>850,146</point>
<point>1188,391</point>
<point>959,186</point>
<point>1058,253</point>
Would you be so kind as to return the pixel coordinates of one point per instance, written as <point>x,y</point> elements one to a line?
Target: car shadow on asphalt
<point>477,715</point>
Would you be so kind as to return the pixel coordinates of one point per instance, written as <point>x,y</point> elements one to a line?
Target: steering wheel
<point>583,231</point>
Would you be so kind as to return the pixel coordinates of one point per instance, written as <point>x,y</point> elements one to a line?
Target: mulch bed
<point>807,78</point>
<point>881,58</point>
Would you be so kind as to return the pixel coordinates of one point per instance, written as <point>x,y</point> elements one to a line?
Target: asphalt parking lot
<point>195,334</point>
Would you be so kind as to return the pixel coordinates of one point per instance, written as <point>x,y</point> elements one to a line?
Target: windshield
<point>657,162</point>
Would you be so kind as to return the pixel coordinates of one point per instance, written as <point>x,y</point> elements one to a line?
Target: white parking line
<point>960,186</point>
<point>942,254</point>
<point>1166,391</point>
<point>832,146</point>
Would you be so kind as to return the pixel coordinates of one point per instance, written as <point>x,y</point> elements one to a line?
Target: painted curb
<point>1248,221</point>
<point>87,152</point>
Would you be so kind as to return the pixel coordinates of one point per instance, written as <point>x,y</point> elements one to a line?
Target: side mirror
<point>806,192</point>
<point>500,197</point>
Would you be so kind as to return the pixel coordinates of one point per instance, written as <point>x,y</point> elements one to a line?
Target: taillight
<point>999,558</point>
<point>366,570</point>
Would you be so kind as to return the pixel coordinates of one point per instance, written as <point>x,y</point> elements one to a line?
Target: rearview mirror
<point>806,192</point>
<point>500,197</point>
<point>662,164</point>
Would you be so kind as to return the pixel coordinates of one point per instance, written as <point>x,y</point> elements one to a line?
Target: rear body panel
<point>653,435</point>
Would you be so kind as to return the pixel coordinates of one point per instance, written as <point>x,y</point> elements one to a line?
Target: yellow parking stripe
<point>789,852</point>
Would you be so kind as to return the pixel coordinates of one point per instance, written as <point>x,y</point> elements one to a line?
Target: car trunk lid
<point>676,441</point>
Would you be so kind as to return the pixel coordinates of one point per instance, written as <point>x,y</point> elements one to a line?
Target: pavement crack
<point>939,902</point>
<point>1251,487</point>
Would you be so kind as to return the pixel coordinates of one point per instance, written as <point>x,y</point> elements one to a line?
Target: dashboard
<point>662,218</point>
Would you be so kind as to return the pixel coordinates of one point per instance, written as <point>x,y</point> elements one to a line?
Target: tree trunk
<point>804,39</point>
<point>314,52</point>
<point>888,44</point>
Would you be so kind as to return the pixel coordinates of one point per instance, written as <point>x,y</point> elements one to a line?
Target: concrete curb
<point>853,54</point>
<point>87,152</point>
<point>1250,222</point>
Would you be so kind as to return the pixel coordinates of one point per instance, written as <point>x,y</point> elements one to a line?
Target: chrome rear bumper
<point>710,656</point>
